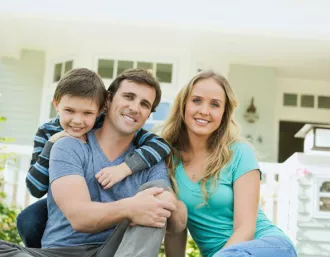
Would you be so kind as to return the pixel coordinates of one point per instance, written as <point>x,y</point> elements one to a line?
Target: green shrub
<point>8,231</point>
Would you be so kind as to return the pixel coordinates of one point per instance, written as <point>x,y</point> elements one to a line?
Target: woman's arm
<point>246,201</point>
<point>175,244</point>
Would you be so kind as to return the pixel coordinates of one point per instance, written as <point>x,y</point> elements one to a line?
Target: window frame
<point>317,183</point>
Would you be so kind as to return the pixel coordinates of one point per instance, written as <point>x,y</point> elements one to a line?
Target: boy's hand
<point>58,135</point>
<point>109,176</point>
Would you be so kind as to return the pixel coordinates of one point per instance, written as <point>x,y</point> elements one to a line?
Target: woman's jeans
<point>268,246</point>
<point>31,223</point>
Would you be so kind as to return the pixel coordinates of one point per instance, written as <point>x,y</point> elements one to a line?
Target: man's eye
<point>88,113</point>
<point>129,97</point>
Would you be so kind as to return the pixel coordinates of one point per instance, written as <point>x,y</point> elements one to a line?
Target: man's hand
<point>147,210</point>
<point>109,176</point>
<point>58,135</point>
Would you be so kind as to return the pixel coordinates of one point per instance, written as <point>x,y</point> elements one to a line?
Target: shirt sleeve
<point>159,172</point>
<point>37,179</point>
<point>245,160</point>
<point>66,158</point>
<point>151,150</point>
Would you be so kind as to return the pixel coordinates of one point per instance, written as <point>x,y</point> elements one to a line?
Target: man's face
<point>77,115</point>
<point>130,107</point>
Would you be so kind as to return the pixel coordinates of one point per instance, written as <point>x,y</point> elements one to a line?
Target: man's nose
<point>134,106</point>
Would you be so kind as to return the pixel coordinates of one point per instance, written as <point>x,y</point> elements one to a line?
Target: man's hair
<point>82,83</point>
<point>139,76</point>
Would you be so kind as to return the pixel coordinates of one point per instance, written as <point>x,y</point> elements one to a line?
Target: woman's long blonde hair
<point>175,132</point>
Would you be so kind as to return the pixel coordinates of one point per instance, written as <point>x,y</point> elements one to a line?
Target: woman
<point>217,176</point>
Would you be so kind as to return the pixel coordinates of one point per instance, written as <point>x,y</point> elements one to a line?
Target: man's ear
<point>55,104</point>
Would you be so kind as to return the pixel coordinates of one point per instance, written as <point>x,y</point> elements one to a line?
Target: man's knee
<point>155,183</point>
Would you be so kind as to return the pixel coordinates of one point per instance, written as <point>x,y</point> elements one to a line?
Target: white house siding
<point>257,82</point>
<point>20,85</point>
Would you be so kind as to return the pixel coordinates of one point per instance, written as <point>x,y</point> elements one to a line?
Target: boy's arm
<point>37,179</point>
<point>151,150</point>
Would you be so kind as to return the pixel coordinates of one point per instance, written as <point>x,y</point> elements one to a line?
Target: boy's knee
<point>155,183</point>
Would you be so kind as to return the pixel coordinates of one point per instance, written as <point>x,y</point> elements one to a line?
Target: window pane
<point>148,126</point>
<point>290,99</point>
<point>124,65</point>
<point>53,112</point>
<point>68,66</point>
<point>144,65</point>
<point>307,101</point>
<point>164,72</point>
<point>161,111</point>
<point>325,204</point>
<point>325,187</point>
<point>57,72</point>
<point>324,102</point>
<point>105,68</point>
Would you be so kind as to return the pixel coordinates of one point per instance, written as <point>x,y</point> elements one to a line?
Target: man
<point>82,214</point>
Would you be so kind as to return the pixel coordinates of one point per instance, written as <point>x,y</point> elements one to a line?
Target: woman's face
<point>204,108</point>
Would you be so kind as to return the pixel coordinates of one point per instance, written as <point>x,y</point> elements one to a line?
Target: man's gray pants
<point>125,241</point>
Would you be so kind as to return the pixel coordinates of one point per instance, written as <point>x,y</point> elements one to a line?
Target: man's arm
<point>72,197</point>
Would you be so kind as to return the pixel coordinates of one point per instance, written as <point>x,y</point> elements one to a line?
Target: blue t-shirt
<point>69,156</point>
<point>211,225</point>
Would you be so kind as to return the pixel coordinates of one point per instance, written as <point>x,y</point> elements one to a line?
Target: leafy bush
<point>8,231</point>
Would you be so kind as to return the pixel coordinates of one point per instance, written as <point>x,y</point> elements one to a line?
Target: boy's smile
<point>77,115</point>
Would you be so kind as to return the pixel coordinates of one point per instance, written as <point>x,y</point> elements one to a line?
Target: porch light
<point>251,114</point>
<point>317,137</point>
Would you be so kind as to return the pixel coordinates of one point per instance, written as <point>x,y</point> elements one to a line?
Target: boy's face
<point>130,107</point>
<point>77,115</point>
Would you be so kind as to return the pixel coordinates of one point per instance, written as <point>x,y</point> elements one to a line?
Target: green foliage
<point>8,231</point>
<point>191,249</point>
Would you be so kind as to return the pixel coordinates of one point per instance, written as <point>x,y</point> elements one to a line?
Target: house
<point>276,56</point>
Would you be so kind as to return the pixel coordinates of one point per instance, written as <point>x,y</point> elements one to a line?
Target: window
<point>290,99</point>
<point>322,201</point>
<point>124,65</point>
<point>164,72</point>
<point>324,102</point>
<point>105,68</point>
<point>109,68</point>
<point>307,101</point>
<point>61,68</point>
<point>159,116</point>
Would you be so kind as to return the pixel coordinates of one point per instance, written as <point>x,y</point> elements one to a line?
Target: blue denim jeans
<point>268,246</point>
<point>31,223</point>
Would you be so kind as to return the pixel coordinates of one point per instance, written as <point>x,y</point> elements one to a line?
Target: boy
<point>76,121</point>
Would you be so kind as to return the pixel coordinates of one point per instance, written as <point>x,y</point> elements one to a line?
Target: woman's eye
<point>196,100</point>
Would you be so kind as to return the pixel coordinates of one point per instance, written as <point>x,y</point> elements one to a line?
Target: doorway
<point>288,144</point>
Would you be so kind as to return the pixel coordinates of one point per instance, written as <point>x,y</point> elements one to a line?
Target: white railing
<point>18,195</point>
<point>14,175</point>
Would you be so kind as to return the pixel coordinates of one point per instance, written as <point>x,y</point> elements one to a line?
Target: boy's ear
<point>55,104</point>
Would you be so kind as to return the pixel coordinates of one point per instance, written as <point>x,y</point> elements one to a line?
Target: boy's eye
<point>68,110</point>
<point>88,113</point>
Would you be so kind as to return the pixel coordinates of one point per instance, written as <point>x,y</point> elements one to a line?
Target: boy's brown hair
<point>139,76</point>
<point>82,83</point>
